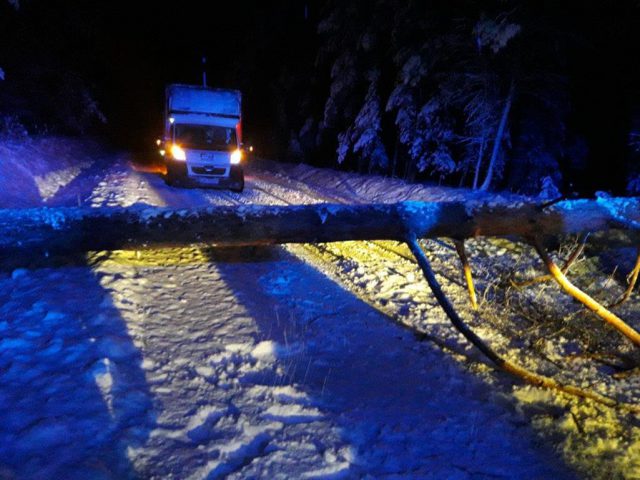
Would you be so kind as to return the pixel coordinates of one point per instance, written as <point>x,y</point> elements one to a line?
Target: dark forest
<point>531,96</point>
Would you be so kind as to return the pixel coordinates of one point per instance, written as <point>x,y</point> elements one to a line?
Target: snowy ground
<point>282,362</point>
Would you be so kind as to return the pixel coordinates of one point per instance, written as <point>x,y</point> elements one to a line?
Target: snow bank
<point>374,188</point>
<point>34,170</point>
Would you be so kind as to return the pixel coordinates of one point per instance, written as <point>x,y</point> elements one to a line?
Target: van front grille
<point>209,171</point>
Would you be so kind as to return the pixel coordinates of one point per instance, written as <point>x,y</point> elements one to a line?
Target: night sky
<point>129,51</point>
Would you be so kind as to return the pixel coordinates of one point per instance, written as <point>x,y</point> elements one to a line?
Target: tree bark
<point>85,229</point>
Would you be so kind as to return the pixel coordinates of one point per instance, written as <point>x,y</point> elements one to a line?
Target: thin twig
<point>632,278</point>
<point>575,253</point>
<point>550,203</point>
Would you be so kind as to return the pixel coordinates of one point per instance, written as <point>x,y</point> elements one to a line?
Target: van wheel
<point>175,175</point>
<point>237,177</point>
<point>239,188</point>
<point>169,179</point>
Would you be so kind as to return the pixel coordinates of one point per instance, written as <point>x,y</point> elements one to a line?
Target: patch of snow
<point>102,372</point>
<point>49,183</point>
<point>265,351</point>
<point>37,171</point>
<point>292,414</point>
<point>201,425</point>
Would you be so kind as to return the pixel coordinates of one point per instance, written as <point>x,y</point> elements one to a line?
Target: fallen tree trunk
<point>85,229</point>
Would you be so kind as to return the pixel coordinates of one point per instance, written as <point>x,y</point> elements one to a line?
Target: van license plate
<point>210,181</point>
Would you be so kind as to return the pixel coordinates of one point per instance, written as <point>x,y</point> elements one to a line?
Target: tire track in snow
<point>230,430</point>
<point>412,304</point>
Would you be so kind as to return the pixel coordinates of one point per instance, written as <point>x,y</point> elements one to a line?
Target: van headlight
<point>178,153</point>
<point>236,156</point>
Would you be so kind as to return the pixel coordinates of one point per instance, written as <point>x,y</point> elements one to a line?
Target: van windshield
<point>206,137</point>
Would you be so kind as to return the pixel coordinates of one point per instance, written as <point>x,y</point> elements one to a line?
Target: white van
<point>202,141</point>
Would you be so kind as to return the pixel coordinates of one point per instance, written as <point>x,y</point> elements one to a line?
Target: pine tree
<point>363,136</point>
<point>463,75</point>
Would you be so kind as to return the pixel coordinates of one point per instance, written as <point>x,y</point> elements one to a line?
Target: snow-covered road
<point>241,363</point>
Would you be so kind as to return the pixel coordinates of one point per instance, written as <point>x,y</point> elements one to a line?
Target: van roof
<point>198,99</point>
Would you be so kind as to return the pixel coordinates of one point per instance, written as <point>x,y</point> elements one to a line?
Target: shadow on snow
<point>73,395</point>
<point>401,407</point>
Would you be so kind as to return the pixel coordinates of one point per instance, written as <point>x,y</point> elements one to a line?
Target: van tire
<point>239,188</point>
<point>237,179</point>
<point>176,174</point>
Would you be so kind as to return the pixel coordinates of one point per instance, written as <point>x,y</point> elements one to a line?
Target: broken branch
<point>506,365</point>
<point>589,302</point>
<point>467,272</point>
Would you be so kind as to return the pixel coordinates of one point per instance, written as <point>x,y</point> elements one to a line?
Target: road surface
<point>280,362</point>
